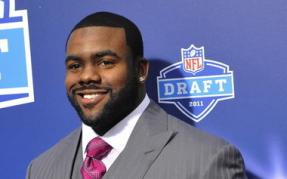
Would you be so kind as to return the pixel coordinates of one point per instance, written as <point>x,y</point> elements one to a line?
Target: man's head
<point>105,69</point>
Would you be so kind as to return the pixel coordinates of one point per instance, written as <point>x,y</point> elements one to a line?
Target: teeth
<point>89,96</point>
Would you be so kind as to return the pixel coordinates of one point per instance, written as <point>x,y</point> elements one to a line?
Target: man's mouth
<point>90,98</point>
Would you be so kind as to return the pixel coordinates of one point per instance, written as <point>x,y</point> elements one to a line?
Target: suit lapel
<point>67,160</point>
<point>78,161</point>
<point>147,140</point>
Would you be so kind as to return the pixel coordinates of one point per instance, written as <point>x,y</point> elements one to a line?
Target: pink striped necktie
<point>93,167</point>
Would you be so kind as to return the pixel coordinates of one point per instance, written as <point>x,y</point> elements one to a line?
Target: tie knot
<point>97,148</point>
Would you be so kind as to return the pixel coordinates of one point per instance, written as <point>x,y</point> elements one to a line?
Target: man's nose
<point>90,74</point>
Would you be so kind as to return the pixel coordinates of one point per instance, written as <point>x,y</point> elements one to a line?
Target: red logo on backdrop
<point>192,59</point>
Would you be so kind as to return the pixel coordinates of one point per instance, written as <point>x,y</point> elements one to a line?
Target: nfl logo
<point>192,59</point>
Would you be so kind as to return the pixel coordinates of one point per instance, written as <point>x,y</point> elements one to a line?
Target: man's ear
<point>143,67</point>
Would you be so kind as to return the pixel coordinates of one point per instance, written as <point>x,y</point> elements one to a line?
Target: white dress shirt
<point>118,136</point>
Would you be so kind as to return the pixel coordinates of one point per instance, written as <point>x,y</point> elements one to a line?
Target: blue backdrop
<point>248,35</point>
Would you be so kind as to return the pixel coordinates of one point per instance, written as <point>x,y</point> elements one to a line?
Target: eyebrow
<point>72,58</point>
<point>93,56</point>
<point>105,53</point>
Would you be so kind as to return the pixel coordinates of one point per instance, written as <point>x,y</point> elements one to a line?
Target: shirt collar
<point>117,136</point>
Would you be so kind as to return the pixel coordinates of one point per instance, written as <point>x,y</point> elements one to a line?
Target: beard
<point>120,104</point>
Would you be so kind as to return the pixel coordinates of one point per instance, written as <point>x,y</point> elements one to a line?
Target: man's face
<point>100,81</point>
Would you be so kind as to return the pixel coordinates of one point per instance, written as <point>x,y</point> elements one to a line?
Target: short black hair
<point>108,19</point>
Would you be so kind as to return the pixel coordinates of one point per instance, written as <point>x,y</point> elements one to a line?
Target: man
<point>105,82</point>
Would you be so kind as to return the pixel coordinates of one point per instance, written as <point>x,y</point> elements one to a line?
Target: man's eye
<point>106,63</point>
<point>73,66</point>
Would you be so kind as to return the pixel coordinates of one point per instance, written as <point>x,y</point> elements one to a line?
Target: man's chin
<point>98,125</point>
<point>89,120</point>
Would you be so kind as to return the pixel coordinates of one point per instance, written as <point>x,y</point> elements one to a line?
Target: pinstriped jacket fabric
<point>160,147</point>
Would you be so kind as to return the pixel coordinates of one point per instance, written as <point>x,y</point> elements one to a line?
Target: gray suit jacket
<point>160,146</point>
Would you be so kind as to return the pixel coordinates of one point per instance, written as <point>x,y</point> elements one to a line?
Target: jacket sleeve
<point>227,163</point>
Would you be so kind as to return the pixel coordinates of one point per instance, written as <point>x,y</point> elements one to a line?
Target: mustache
<point>90,87</point>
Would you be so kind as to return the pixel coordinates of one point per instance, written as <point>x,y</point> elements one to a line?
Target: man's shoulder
<point>191,134</point>
<point>200,153</point>
<point>60,148</point>
<point>183,129</point>
<point>57,161</point>
<point>188,135</point>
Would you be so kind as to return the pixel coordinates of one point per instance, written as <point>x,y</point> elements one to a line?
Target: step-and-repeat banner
<point>218,65</point>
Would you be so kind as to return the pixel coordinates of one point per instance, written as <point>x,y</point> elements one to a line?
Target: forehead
<point>97,37</point>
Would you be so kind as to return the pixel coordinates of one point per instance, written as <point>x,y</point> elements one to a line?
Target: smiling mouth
<point>90,98</point>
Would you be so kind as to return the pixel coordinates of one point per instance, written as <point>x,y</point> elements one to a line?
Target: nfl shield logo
<point>195,84</point>
<point>192,59</point>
